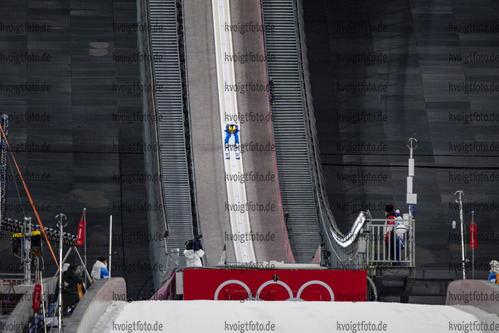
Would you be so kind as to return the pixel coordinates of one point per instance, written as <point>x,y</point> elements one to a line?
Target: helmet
<point>232,129</point>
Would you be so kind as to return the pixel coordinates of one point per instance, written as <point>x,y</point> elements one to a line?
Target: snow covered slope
<point>231,316</point>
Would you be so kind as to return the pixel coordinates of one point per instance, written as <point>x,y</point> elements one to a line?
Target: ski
<point>227,151</point>
<point>238,152</point>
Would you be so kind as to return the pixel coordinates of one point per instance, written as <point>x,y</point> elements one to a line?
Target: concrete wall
<point>479,293</point>
<point>94,303</point>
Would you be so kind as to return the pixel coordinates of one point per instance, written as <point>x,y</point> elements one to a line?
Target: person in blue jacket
<point>494,272</point>
<point>231,129</point>
<point>99,269</point>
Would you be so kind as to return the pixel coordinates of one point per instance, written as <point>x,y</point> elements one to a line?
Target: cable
<point>11,287</point>
<point>17,188</point>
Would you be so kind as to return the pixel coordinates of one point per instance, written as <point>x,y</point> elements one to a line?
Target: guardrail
<point>390,242</point>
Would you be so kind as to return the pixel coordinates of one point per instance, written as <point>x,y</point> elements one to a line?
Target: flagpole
<point>85,244</point>
<point>460,202</point>
<point>110,241</point>
<point>472,238</point>
<point>62,217</point>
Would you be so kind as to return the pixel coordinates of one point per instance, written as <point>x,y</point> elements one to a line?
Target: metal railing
<point>169,106</point>
<point>390,242</point>
<point>290,126</point>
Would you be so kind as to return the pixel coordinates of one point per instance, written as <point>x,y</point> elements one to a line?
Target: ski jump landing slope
<point>285,317</point>
<point>237,199</point>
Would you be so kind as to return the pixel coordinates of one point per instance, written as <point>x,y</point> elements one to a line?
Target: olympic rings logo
<point>258,293</point>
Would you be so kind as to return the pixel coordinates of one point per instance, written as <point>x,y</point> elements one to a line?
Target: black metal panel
<point>382,72</point>
<point>71,133</point>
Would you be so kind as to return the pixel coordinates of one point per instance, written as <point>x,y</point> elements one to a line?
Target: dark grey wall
<point>80,142</point>
<point>385,71</point>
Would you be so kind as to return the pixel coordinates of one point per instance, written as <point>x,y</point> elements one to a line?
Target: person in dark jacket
<point>389,235</point>
<point>70,282</point>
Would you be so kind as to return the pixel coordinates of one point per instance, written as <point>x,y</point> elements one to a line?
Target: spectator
<point>400,230</point>
<point>71,284</point>
<point>494,272</point>
<point>390,221</point>
<point>99,269</point>
<point>193,254</point>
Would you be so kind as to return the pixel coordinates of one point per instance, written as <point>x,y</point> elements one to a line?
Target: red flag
<point>473,234</point>
<point>80,238</point>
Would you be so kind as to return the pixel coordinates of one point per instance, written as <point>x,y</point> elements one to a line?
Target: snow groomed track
<point>236,191</point>
<point>231,316</point>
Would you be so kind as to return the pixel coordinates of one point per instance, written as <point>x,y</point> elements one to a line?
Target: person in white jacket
<point>193,257</point>
<point>494,271</point>
<point>99,269</point>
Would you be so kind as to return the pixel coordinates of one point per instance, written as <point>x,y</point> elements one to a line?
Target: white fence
<point>390,242</point>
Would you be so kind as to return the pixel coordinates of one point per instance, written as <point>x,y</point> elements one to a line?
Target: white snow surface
<point>307,317</point>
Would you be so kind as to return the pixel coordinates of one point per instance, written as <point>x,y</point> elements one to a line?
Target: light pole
<point>61,217</point>
<point>27,251</point>
<point>460,202</point>
<point>411,200</point>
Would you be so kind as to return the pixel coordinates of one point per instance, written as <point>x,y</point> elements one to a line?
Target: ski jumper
<point>231,129</point>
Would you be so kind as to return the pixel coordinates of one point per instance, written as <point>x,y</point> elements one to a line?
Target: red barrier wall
<point>274,285</point>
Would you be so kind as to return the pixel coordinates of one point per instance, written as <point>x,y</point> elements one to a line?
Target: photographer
<point>194,252</point>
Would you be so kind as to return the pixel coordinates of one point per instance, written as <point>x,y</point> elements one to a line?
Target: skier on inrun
<point>231,129</point>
